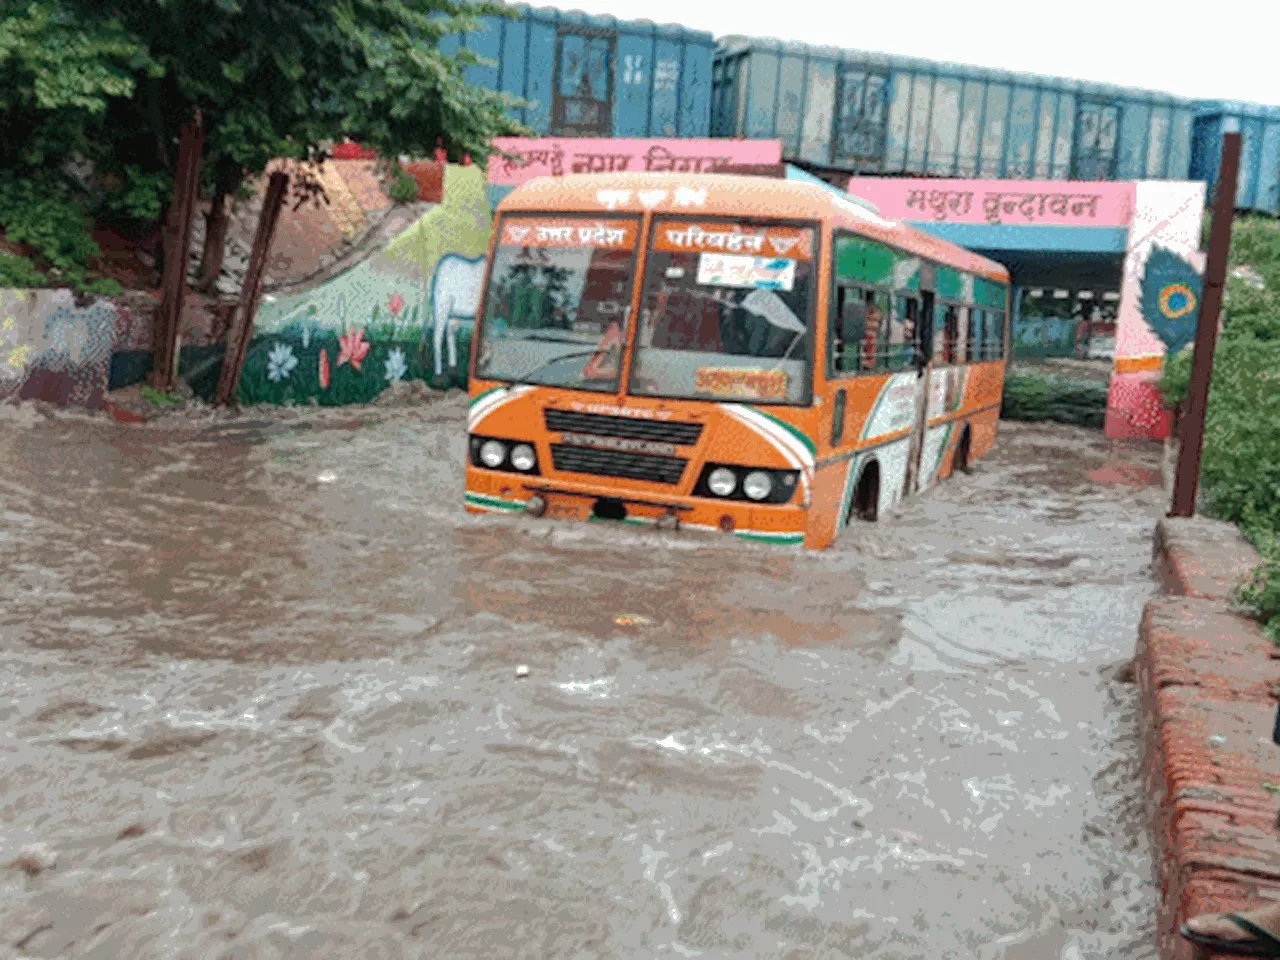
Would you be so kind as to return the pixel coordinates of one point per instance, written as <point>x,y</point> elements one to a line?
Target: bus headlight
<point>758,485</point>
<point>522,457</point>
<point>725,481</point>
<point>722,482</point>
<point>492,454</point>
<point>500,453</point>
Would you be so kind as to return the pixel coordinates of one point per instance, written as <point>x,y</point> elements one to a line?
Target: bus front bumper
<point>491,492</point>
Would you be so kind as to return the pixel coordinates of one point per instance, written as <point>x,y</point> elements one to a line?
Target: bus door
<point>923,341</point>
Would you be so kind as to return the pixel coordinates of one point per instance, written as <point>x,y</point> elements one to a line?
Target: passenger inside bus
<point>871,338</point>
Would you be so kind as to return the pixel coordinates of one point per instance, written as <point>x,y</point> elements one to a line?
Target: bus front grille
<point>682,434</point>
<point>613,463</point>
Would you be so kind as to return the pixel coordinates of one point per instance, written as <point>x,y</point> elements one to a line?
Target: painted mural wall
<point>1158,303</point>
<point>405,313</point>
<point>56,348</point>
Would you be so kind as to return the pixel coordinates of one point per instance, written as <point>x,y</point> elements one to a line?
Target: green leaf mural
<point>285,368</point>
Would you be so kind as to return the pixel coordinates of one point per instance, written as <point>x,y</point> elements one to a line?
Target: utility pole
<point>177,248</point>
<point>1186,484</point>
<point>250,292</point>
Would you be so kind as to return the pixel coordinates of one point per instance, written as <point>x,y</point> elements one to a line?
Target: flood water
<point>260,700</point>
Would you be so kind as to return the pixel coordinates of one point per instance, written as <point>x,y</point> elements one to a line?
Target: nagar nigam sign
<point>517,159</point>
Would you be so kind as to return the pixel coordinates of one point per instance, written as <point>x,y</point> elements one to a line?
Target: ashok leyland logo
<point>613,443</point>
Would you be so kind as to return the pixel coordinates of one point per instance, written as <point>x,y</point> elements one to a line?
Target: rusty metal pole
<point>241,330</point>
<point>182,212</point>
<point>1186,484</point>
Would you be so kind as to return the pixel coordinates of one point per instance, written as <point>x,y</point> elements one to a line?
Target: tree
<point>286,78</point>
<point>60,77</point>
<point>111,84</point>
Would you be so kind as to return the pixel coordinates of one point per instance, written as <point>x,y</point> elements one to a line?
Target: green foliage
<point>1255,241</point>
<point>1240,473</point>
<point>1241,465</point>
<point>41,213</point>
<point>404,188</point>
<point>104,87</point>
<point>102,286</point>
<point>60,77</point>
<point>53,61</point>
<point>138,194</point>
<point>1262,593</point>
<point>1176,380</point>
<point>1041,397</point>
<point>19,273</point>
<point>158,398</point>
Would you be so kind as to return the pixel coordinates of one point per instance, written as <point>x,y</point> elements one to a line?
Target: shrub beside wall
<point>1042,396</point>
<point>1240,471</point>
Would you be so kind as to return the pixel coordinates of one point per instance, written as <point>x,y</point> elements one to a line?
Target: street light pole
<point>1186,483</point>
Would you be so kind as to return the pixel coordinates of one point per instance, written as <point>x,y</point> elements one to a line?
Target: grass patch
<point>159,398</point>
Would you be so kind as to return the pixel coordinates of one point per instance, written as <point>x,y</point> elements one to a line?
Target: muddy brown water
<point>260,701</point>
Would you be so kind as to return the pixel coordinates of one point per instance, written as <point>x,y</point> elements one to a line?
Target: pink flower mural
<point>395,305</point>
<point>354,347</point>
<point>324,369</point>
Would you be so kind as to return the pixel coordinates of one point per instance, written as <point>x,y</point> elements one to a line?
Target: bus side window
<point>995,322</point>
<point>848,331</point>
<point>959,344</point>
<point>972,351</point>
<point>980,348</point>
<point>901,345</point>
<point>876,353</point>
<point>924,328</point>
<point>941,342</point>
<point>906,333</point>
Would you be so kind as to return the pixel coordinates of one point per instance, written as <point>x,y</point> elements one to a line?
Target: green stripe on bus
<point>484,500</point>
<point>786,538</point>
<point>488,393</point>
<point>794,431</point>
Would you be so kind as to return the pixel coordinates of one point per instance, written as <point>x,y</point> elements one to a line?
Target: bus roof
<point>718,195</point>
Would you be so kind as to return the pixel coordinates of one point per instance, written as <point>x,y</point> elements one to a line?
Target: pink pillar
<point>1167,214</point>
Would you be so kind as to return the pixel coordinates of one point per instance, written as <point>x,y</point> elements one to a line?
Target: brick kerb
<point>1208,688</point>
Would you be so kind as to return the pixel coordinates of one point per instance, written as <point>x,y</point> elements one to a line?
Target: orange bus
<point>762,357</point>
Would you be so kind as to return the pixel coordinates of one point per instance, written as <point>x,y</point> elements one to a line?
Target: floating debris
<point>34,859</point>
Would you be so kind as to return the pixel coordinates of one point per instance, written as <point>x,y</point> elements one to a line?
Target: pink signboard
<point>556,156</point>
<point>1000,202</point>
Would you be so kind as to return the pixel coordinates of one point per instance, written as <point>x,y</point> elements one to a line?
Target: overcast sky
<point>1219,49</point>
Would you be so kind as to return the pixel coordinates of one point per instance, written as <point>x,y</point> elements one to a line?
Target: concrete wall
<point>58,348</point>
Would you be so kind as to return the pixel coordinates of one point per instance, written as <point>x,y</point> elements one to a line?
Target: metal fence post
<point>1191,442</point>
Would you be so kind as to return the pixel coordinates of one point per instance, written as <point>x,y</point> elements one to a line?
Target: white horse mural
<point>455,298</point>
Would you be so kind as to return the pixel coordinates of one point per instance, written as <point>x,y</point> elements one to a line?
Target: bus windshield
<point>557,302</point>
<point>725,313</point>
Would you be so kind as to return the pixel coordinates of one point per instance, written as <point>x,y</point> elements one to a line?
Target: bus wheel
<point>961,460</point>
<point>866,498</point>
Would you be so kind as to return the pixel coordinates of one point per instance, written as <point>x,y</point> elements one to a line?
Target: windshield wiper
<point>551,338</point>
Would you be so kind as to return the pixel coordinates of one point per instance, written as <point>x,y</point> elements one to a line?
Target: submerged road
<point>260,700</point>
